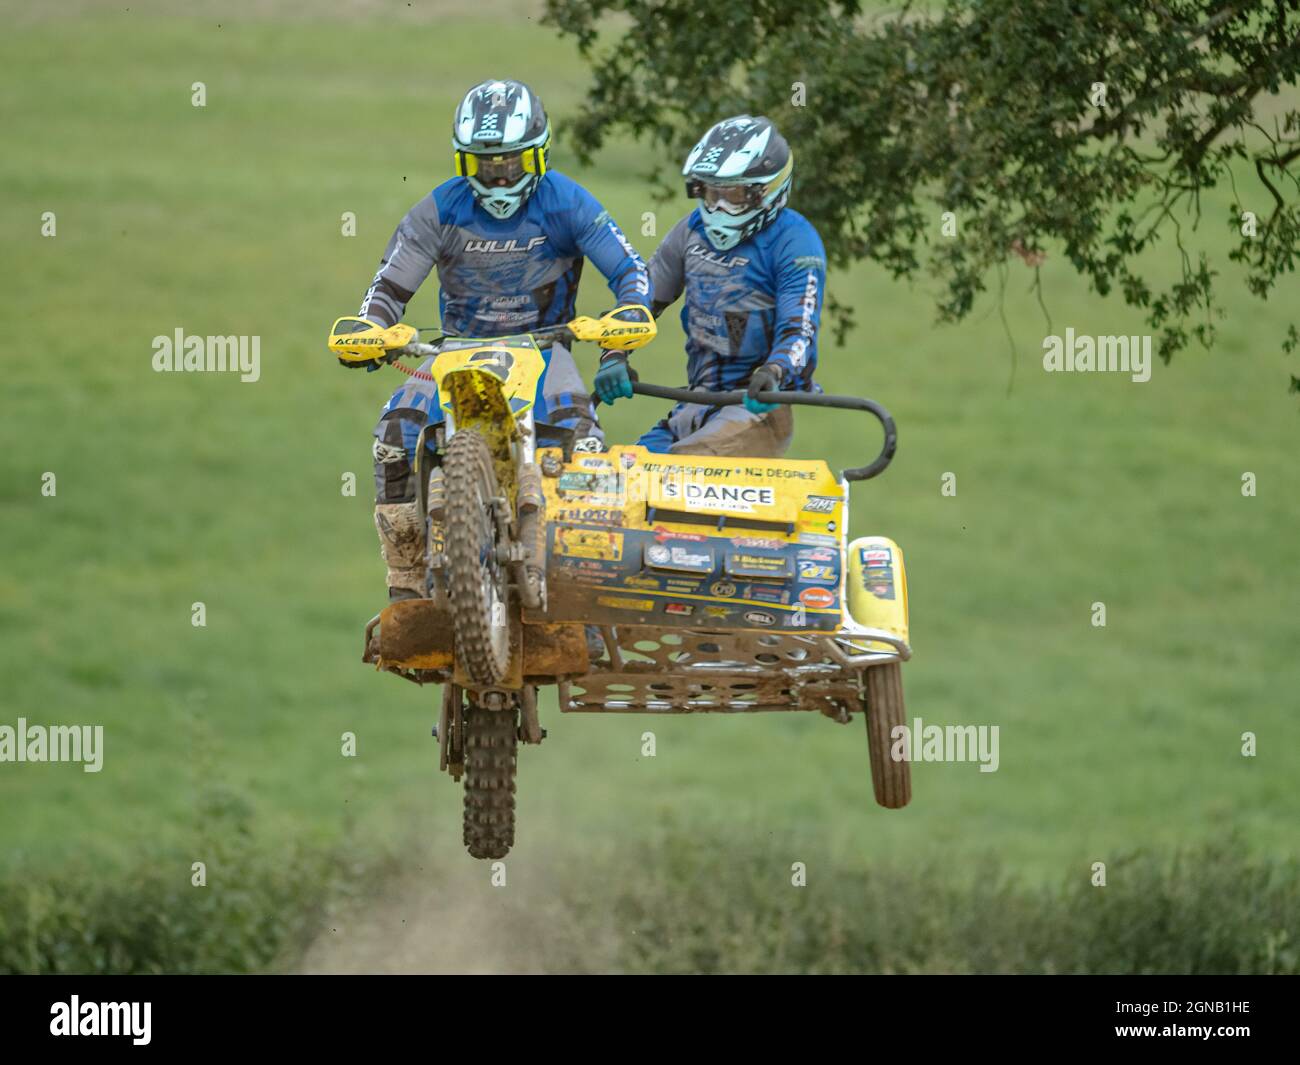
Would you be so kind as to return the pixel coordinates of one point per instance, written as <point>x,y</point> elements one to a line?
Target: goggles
<point>731,199</point>
<point>501,170</point>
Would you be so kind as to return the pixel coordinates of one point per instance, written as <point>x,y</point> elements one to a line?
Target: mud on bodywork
<point>414,638</point>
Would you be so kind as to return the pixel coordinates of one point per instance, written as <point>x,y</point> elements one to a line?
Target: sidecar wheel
<point>892,780</point>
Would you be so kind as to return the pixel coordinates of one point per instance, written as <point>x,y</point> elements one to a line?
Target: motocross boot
<point>402,545</point>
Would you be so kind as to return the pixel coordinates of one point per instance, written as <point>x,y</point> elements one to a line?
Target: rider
<point>508,237</point>
<point>754,274</point>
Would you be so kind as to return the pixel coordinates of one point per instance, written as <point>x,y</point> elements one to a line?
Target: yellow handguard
<point>358,340</point>
<point>610,331</point>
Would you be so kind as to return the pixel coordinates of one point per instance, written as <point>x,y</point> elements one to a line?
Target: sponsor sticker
<point>722,589</point>
<point>753,564</point>
<point>821,504</point>
<point>577,482</point>
<point>759,617</point>
<point>818,573</point>
<point>681,609</point>
<point>817,554</point>
<point>595,515</point>
<point>710,495</point>
<point>589,543</point>
<point>761,543</point>
<point>587,576</point>
<point>878,572</point>
<point>620,603</point>
<point>667,534</point>
<point>766,593</point>
<point>879,583</point>
<point>687,557</point>
<point>817,598</point>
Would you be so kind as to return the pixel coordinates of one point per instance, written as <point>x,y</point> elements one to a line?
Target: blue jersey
<point>503,276</point>
<point>759,302</point>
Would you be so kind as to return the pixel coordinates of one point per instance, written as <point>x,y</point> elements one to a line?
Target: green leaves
<point>1088,126</point>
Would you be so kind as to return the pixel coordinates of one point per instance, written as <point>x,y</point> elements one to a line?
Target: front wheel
<point>891,778</point>
<point>476,581</point>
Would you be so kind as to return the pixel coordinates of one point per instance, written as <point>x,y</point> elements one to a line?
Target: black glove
<point>766,378</point>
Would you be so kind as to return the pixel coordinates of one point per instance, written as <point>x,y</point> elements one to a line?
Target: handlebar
<point>557,333</point>
<point>542,337</point>
<point>794,399</point>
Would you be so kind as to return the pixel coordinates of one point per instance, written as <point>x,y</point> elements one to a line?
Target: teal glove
<point>766,378</point>
<point>614,378</point>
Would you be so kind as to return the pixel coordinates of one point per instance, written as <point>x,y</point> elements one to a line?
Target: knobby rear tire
<point>491,743</point>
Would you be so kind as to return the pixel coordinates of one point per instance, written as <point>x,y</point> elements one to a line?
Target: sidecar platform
<point>649,670</point>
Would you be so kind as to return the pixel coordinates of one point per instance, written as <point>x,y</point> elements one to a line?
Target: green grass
<point>177,488</point>
<point>697,904</point>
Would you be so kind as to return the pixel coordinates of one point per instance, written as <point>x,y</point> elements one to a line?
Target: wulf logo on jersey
<point>514,244</point>
<point>701,252</point>
<point>734,497</point>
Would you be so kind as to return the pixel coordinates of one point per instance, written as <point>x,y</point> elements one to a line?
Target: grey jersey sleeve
<point>411,254</point>
<point>668,267</point>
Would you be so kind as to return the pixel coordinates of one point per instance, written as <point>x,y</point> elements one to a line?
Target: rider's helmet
<point>740,172</point>
<point>501,138</point>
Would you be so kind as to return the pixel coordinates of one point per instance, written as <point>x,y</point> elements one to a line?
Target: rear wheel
<point>891,779</point>
<point>476,580</point>
<point>490,765</point>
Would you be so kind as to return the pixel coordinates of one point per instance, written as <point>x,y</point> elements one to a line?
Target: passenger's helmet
<point>740,172</point>
<point>501,137</point>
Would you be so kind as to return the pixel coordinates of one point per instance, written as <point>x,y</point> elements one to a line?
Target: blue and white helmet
<point>501,138</point>
<point>740,172</point>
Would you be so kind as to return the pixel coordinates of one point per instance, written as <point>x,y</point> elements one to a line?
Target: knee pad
<point>394,482</point>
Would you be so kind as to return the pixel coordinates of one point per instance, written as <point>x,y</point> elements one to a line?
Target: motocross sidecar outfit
<point>715,584</point>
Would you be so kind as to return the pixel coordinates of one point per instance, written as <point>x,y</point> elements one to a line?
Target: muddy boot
<point>435,501</point>
<point>402,544</point>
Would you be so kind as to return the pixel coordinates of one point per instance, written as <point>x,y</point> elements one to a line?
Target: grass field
<point>181,488</point>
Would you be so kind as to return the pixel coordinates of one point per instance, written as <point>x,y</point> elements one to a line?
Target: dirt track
<point>415,927</point>
<point>451,920</point>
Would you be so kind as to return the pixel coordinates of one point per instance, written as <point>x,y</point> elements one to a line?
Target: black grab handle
<point>794,399</point>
